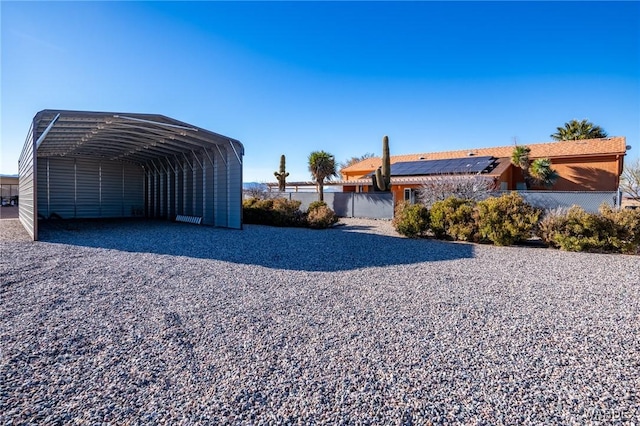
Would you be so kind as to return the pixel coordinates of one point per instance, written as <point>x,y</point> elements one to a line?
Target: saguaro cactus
<point>282,175</point>
<point>382,178</point>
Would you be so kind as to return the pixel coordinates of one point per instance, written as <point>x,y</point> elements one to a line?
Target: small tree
<point>322,165</point>
<point>538,172</point>
<point>465,187</point>
<point>542,173</point>
<point>256,190</point>
<point>630,179</point>
<point>520,158</point>
<point>576,130</point>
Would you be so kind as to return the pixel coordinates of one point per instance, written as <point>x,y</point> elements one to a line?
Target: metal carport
<point>80,164</point>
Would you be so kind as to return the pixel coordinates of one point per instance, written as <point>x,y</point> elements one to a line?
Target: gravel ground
<point>159,323</point>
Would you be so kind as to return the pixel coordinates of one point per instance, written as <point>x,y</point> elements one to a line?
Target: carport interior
<point>114,165</point>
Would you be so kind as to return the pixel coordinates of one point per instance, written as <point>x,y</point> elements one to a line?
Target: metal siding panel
<point>112,197</point>
<point>161,193</point>
<point>234,190</point>
<point>209,194</point>
<point>220,189</point>
<point>62,187</point>
<point>134,180</point>
<point>171,188</point>
<point>197,189</point>
<point>178,190</point>
<point>43,186</point>
<point>88,191</point>
<point>27,183</point>
<point>187,191</point>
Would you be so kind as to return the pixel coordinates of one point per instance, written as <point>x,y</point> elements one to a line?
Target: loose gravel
<point>166,323</point>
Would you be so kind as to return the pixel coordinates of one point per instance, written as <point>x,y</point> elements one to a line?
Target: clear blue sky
<point>294,77</point>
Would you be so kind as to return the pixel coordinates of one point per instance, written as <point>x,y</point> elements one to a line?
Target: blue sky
<point>294,77</point>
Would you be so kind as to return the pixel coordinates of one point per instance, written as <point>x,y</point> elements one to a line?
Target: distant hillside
<point>254,185</point>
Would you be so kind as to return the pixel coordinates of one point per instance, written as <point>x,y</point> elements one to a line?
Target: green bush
<point>578,230</point>
<point>627,229</point>
<point>321,217</point>
<point>552,222</point>
<point>411,220</point>
<point>272,211</point>
<point>506,219</point>
<point>315,204</point>
<point>453,219</point>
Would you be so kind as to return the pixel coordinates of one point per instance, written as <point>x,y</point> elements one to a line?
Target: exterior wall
<point>592,174</point>
<point>83,188</point>
<point>28,206</point>
<point>234,186</point>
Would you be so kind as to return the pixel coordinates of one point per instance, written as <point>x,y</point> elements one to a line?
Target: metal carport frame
<point>80,164</point>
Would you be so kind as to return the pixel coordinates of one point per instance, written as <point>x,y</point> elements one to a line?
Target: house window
<point>409,195</point>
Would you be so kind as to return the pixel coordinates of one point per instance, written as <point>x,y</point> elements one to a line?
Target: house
<point>8,190</point>
<point>582,165</point>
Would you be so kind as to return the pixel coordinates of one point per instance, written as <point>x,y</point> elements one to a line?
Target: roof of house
<point>587,147</point>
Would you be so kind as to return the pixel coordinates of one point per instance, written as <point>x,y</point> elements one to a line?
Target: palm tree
<point>542,173</point>
<point>322,165</point>
<point>520,158</point>
<point>536,172</point>
<point>575,130</point>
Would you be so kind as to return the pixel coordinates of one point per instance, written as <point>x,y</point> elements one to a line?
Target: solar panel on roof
<point>446,166</point>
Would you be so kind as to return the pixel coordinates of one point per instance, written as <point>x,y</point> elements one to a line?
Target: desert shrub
<point>553,221</point>
<point>411,220</point>
<point>273,211</point>
<point>578,230</point>
<point>627,228</point>
<point>315,204</point>
<point>320,217</point>
<point>256,210</point>
<point>453,219</point>
<point>506,219</point>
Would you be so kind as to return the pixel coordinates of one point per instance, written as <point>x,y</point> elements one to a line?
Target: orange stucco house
<point>582,165</point>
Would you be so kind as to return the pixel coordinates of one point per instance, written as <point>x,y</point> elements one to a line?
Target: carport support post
<point>213,210</point>
<point>168,193</point>
<point>194,188</point>
<point>184,190</point>
<point>177,198</point>
<point>149,210</point>
<point>195,176</point>
<point>48,190</point>
<point>155,191</point>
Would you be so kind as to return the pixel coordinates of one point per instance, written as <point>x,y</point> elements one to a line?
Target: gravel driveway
<point>161,323</point>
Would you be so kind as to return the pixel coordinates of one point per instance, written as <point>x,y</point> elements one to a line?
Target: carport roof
<point>133,137</point>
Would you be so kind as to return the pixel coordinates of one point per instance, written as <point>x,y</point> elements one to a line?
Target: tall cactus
<point>282,175</point>
<point>382,180</point>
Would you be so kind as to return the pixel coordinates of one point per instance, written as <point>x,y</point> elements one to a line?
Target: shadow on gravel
<point>337,249</point>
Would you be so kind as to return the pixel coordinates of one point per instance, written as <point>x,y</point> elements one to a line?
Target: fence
<point>350,204</point>
<point>380,205</point>
<point>589,201</point>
